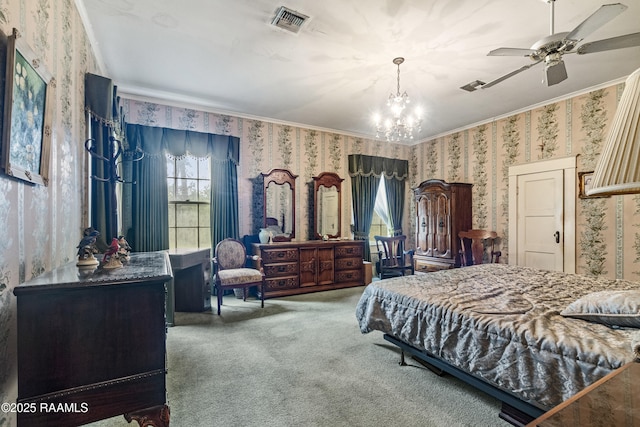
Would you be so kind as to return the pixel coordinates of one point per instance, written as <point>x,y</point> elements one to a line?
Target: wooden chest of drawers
<point>300,267</point>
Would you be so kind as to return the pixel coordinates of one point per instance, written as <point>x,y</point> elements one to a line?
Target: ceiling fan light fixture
<point>555,72</point>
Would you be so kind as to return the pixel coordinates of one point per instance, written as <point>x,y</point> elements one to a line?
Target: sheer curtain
<point>145,204</point>
<point>381,206</point>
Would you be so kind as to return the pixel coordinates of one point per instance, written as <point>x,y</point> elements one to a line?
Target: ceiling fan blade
<point>511,51</point>
<point>600,17</point>
<point>620,42</point>
<point>511,74</point>
<point>555,73</point>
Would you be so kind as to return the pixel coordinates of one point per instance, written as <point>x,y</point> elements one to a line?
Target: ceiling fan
<point>551,48</point>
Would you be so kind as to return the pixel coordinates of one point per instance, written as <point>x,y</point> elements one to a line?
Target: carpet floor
<point>302,361</point>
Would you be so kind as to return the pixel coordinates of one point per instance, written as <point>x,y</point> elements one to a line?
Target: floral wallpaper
<point>454,158</point>
<point>510,146</point>
<point>480,150</point>
<point>42,225</point>
<point>592,211</point>
<point>548,132</point>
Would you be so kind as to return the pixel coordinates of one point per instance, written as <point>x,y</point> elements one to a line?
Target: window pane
<point>203,215</point>
<point>171,167</point>
<point>187,237</point>
<point>205,237</point>
<point>187,167</point>
<point>187,215</point>
<point>186,189</point>
<point>172,238</point>
<point>172,215</point>
<point>171,190</point>
<point>204,192</point>
<point>204,171</point>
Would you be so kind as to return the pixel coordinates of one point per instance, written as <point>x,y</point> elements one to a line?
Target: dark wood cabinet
<point>191,279</point>
<point>442,210</point>
<point>94,342</point>
<point>300,267</point>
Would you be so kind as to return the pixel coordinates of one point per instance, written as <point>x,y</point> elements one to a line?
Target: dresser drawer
<point>279,255</point>
<point>349,251</point>
<point>348,263</point>
<point>281,269</point>
<point>349,276</point>
<point>277,283</point>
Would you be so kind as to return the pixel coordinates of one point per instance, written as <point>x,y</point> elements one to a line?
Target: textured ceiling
<point>224,56</point>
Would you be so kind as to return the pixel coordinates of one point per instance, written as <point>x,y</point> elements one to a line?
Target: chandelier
<point>399,125</point>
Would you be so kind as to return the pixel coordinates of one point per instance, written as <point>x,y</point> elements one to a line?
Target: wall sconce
<point>618,168</point>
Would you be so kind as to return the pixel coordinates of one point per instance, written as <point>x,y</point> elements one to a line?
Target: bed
<point>500,328</point>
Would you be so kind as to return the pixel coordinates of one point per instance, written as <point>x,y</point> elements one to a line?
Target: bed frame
<point>514,410</point>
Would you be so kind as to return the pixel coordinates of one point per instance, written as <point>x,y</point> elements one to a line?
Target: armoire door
<point>442,225</point>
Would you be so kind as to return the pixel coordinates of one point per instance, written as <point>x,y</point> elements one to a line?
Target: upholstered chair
<point>230,271</point>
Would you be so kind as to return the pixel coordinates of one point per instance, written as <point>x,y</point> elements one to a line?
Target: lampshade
<point>618,168</point>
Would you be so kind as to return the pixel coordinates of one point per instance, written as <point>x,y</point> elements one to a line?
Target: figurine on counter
<point>110,258</point>
<point>87,247</point>
<point>124,248</point>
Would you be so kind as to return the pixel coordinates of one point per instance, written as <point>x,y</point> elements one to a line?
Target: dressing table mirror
<point>327,205</point>
<point>279,214</point>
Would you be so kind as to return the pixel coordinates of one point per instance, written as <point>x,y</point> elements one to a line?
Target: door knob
<point>557,236</point>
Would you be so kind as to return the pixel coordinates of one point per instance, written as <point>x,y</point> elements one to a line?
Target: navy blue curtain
<point>104,127</point>
<point>145,204</point>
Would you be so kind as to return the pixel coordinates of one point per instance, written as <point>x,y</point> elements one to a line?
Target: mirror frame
<point>328,180</point>
<point>280,177</point>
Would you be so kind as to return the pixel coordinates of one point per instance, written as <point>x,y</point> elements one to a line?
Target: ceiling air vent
<point>288,19</point>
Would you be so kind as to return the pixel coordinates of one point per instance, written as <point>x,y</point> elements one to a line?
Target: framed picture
<point>26,133</point>
<point>584,181</point>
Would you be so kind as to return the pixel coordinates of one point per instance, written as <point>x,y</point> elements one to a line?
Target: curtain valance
<point>362,165</point>
<point>101,101</point>
<point>153,141</point>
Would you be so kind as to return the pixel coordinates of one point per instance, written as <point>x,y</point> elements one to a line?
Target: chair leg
<point>262,294</point>
<point>219,292</point>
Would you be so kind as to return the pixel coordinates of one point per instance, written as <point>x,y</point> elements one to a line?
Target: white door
<point>540,220</point>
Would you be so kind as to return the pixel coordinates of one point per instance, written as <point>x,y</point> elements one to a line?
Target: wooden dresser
<point>300,267</point>
<point>92,344</point>
<point>442,210</point>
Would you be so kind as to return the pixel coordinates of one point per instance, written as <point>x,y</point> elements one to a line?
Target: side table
<point>611,401</point>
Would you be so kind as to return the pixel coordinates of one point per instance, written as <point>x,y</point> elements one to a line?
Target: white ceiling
<point>224,56</point>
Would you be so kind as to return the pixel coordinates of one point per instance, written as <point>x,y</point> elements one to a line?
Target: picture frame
<point>26,133</point>
<point>584,183</point>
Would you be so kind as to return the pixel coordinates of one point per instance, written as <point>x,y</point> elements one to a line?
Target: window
<point>380,222</point>
<point>189,187</point>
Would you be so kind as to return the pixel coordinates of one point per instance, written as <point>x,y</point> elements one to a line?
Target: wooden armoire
<point>442,210</point>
